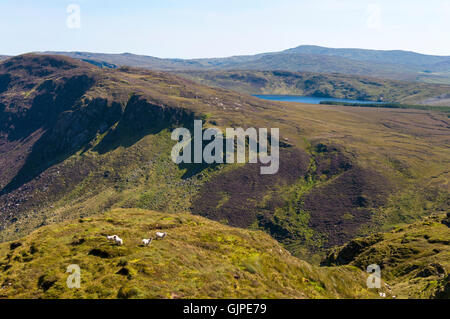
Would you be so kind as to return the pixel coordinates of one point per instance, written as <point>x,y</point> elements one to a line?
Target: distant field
<point>323,85</point>
<point>445,109</point>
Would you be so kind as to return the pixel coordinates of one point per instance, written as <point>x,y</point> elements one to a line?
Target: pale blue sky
<point>210,28</point>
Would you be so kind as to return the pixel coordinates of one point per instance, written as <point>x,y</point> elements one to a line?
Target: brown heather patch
<point>339,208</point>
<point>235,197</point>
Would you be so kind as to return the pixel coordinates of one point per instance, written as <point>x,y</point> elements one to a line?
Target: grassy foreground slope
<point>199,258</point>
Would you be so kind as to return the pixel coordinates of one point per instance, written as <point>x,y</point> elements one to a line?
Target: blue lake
<point>308,99</point>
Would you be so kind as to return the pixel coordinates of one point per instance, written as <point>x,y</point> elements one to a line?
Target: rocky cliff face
<point>54,107</point>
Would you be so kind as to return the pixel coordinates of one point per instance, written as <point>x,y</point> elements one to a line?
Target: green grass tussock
<point>198,259</point>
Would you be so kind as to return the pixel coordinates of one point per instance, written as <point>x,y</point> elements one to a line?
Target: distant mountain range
<point>396,64</point>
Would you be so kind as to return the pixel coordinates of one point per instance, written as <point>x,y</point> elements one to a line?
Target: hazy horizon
<point>228,56</point>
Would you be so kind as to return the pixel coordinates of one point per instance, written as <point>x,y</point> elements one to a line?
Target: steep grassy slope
<point>198,259</point>
<point>415,259</point>
<point>323,85</point>
<point>79,140</point>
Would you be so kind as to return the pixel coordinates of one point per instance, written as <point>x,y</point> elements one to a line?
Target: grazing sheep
<point>116,239</point>
<point>160,235</point>
<point>119,241</point>
<point>147,242</point>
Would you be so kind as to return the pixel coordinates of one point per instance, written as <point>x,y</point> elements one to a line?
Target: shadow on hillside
<point>68,132</point>
<point>50,111</point>
<point>141,118</point>
<point>54,99</point>
<point>193,169</point>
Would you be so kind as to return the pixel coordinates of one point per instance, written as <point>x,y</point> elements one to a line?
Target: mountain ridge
<point>389,64</point>
<point>396,56</point>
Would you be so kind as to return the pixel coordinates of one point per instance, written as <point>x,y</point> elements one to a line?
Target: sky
<point>211,28</point>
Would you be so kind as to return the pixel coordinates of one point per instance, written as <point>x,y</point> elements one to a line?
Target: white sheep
<point>118,240</point>
<point>113,237</point>
<point>160,235</point>
<point>147,242</point>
